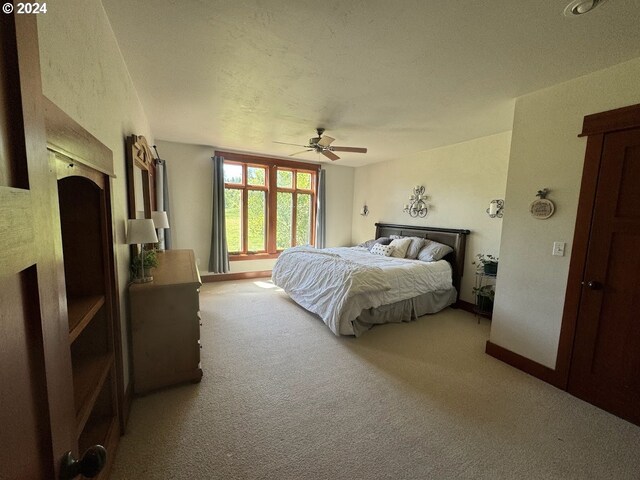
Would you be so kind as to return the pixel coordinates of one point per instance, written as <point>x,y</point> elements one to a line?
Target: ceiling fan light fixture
<point>322,145</point>
<point>579,7</point>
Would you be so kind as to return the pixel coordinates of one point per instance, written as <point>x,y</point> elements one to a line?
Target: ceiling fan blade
<point>303,151</point>
<point>325,141</point>
<point>294,144</point>
<point>330,155</point>
<point>349,149</point>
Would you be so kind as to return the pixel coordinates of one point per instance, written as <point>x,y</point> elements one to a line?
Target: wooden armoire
<point>61,385</point>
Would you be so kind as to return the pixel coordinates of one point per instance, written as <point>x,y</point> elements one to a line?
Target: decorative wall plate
<point>541,208</point>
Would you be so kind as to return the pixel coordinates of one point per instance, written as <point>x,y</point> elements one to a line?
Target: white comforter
<point>338,283</point>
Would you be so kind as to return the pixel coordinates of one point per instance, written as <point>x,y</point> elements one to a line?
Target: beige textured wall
<point>339,204</point>
<point>460,180</point>
<point>545,152</point>
<point>190,184</point>
<point>189,173</point>
<point>85,75</point>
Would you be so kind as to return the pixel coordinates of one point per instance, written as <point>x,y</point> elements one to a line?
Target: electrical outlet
<point>558,249</point>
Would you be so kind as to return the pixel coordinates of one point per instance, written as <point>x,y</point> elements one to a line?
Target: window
<point>245,201</point>
<point>295,207</point>
<point>270,204</point>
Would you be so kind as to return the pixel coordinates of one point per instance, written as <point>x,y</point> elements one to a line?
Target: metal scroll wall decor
<point>417,206</point>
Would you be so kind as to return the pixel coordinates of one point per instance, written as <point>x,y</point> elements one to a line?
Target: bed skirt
<point>404,311</point>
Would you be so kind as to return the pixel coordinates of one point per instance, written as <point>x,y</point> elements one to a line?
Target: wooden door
<point>605,363</point>
<point>36,391</point>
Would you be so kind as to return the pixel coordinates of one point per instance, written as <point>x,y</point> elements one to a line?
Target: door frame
<point>594,127</point>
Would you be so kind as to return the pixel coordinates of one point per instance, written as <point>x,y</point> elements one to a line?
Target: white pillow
<point>414,247</point>
<point>384,250</point>
<point>400,246</point>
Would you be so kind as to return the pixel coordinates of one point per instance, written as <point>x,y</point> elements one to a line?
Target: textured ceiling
<point>397,77</point>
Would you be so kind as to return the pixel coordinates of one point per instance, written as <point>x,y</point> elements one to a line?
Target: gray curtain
<point>321,217</point>
<point>162,202</point>
<point>219,256</point>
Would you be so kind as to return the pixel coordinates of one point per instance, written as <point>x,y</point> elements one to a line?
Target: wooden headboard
<point>455,238</point>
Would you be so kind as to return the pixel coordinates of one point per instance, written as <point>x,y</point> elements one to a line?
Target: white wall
<point>339,192</point>
<point>190,185</point>
<point>545,152</point>
<point>460,180</point>
<point>85,75</point>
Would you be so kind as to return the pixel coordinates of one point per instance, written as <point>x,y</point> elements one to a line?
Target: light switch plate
<point>558,249</point>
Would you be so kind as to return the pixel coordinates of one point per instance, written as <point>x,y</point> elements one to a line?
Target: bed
<point>352,290</point>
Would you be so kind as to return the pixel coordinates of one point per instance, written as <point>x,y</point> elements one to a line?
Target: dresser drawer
<point>165,326</point>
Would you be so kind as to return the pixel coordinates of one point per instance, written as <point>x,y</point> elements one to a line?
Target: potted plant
<point>487,264</point>
<point>484,298</point>
<point>150,261</point>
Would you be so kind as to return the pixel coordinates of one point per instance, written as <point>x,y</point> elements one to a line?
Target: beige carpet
<point>283,398</point>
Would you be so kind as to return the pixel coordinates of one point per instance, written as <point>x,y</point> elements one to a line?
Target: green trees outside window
<point>233,218</point>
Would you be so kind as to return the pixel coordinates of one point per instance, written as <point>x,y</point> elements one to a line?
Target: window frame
<point>294,190</point>
<point>245,188</point>
<point>272,165</point>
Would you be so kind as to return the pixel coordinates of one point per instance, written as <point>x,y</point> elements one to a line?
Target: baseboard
<point>471,308</point>
<point>223,277</point>
<point>522,363</point>
<point>466,306</point>
<point>126,407</point>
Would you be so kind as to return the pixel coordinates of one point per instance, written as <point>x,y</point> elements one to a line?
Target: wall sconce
<point>495,208</point>
<point>364,211</point>
<point>417,207</point>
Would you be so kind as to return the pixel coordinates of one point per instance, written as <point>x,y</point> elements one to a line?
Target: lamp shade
<point>160,219</point>
<point>141,231</point>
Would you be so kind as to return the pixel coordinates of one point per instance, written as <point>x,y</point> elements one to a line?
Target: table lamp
<point>139,232</point>
<point>161,221</point>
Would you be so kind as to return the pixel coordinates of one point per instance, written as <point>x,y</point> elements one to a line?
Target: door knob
<point>89,465</point>
<point>594,285</point>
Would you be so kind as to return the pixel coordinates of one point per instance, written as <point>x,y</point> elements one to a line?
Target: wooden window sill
<point>253,256</point>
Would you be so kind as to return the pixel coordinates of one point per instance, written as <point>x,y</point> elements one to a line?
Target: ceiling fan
<point>323,145</point>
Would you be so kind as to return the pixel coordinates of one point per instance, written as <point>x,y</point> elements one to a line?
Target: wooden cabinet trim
<point>67,137</point>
